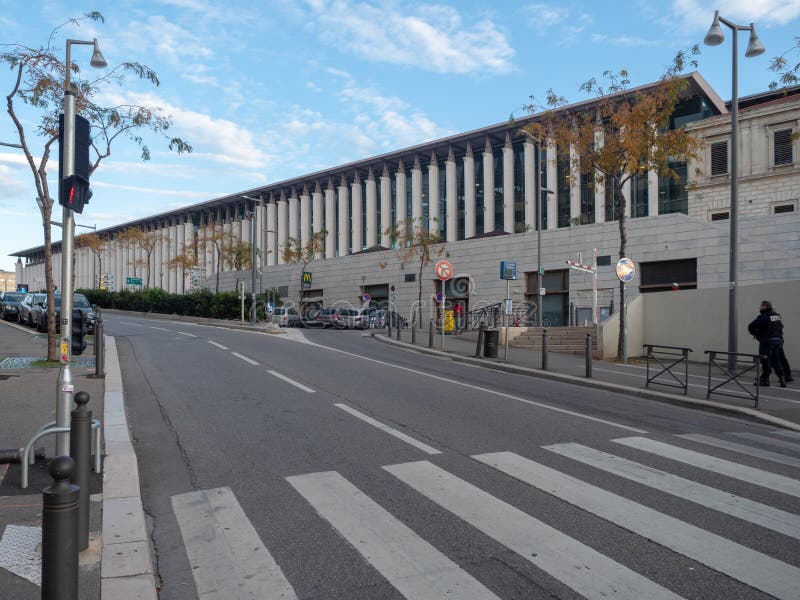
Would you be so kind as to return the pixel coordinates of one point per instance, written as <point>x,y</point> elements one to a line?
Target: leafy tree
<point>239,254</point>
<point>222,242</point>
<point>415,245</point>
<point>138,239</point>
<point>624,134</point>
<point>96,243</point>
<point>37,82</point>
<point>787,67</point>
<point>295,252</point>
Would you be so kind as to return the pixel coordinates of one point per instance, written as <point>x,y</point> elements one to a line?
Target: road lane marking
<point>743,564</point>
<point>186,334</point>
<point>742,508</point>
<point>291,381</point>
<point>227,557</point>
<point>133,324</point>
<point>588,572</point>
<point>483,389</point>
<point>244,358</point>
<point>220,346</point>
<point>413,566</point>
<point>768,440</point>
<point>752,475</point>
<point>160,328</point>
<point>386,429</point>
<point>741,449</point>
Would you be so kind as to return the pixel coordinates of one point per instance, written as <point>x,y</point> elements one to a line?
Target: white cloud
<point>170,41</point>
<point>542,16</point>
<point>152,191</point>
<point>564,22</point>
<point>429,37</point>
<point>625,40</point>
<point>699,13</point>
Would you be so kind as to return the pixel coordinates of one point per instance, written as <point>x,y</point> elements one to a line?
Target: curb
<point>196,320</point>
<point>126,569</point>
<point>604,385</point>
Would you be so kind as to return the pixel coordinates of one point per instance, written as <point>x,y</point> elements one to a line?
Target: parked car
<point>9,305</point>
<point>384,317</point>
<point>352,318</point>
<point>328,317</point>
<point>285,317</point>
<point>27,306</point>
<point>368,316</point>
<point>79,301</point>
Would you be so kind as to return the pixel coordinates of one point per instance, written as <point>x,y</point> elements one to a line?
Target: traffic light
<point>78,332</point>
<point>75,193</point>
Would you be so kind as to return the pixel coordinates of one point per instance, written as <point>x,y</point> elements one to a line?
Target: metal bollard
<point>430,333</point>
<point>544,349</point>
<point>389,324</point>
<point>479,347</point>
<point>413,333</point>
<point>99,349</point>
<point>588,354</point>
<point>80,449</point>
<point>60,533</point>
<point>399,326</point>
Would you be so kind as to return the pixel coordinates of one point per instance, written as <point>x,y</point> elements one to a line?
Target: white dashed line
<point>220,346</point>
<point>244,358</point>
<point>291,381</point>
<point>186,334</point>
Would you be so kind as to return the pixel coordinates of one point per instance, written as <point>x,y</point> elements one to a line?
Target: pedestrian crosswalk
<point>213,525</point>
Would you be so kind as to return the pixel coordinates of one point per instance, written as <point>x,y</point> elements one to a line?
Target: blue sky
<point>269,90</point>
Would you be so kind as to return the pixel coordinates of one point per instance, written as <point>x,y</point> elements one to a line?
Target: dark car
<point>27,305</point>
<point>385,317</point>
<point>79,301</point>
<point>9,305</point>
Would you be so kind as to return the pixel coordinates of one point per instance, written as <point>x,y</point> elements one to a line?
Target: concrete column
<point>208,249</point>
<point>272,234</point>
<point>400,220</point>
<point>318,218</point>
<point>159,257</point>
<point>344,218</point>
<point>356,203</point>
<point>574,185</point>
<point>372,210</point>
<point>18,276</point>
<point>294,216</point>
<point>434,200</point>
<point>261,235</point>
<point>488,188</point>
<point>552,176</point>
<point>173,252</point>
<point>508,186</point>
<point>330,221</point>
<point>283,226</point>
<point>183,231</point>
<point>305,217</point>
<point>652,193</point>
<point>451,200</point>
<point>164,270</point>
<point>386,206</point>
<point>599,186</point>
<point>416,196</point>
<point>469,194</point>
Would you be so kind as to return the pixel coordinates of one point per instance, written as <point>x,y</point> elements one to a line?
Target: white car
<point>285,317</point>
<point>352,318</point>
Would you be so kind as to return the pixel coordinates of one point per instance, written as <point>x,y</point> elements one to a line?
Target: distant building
<point>8,281</point>
<point>476,189</point>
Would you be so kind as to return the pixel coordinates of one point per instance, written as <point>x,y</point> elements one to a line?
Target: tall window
<point>719,158</point>
<point>672,194</point>
<point>519,182</point>
<point>563,177</point>
<point>409,207</point>
<point>363,216</point>
<point>587,198</point>
<point>498,188</point>
<point>613,201</point>
<point>425,199</point>
<point>480,192</point>
<point>782,151</point>
<point>459,197</point>
<point>639,195</point>
<point>540,167</point>
<point>442,199</point>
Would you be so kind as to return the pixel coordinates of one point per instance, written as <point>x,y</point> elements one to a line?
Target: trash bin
<point>491,340</point>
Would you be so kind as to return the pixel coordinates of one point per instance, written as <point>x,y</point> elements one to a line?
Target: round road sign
<point>625,270</point>
<point>444,270</point>
<point>439,297</point>
<point>366,298</point>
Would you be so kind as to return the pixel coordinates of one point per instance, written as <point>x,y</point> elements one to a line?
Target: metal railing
<point>490,316</point>
<point>734,375</point>
<point>668,357</point>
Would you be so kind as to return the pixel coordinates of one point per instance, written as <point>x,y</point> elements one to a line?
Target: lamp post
<point>254,247</point>
<point>65,380</point>
<point>714,37</point>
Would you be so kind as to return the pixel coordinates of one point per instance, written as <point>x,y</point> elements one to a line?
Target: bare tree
<point>138,239</point>
<point>38,80</point>
<point>96,243</point>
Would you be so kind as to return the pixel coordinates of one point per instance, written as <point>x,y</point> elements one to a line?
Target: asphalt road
<point>340,467</point>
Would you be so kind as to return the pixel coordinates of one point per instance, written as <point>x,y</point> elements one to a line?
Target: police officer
<point>767,328</point>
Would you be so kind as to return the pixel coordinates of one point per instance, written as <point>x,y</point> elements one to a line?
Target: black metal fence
<point>670,359</point>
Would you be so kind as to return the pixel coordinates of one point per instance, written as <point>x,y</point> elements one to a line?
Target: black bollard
<point>60,534</point>
<point>80,449</point>
<point>588,354</point>
<point>389,324</point>
<point>430,333</point>
<point>398,327</point>
<point>99,348</point>
<point>544,349</point>
<point>413,333</point>
<point>479,347</point>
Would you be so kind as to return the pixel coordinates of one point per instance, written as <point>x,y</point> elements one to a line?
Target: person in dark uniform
<point>767,328</point>
<point>787,370</point>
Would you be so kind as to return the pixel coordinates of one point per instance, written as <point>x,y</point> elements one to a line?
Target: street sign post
<point>508,270</point>
<point>626,271</point>
<point>133,280</point>
<point>444,271</point>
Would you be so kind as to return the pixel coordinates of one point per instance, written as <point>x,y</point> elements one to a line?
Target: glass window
<point>672,194</point>
<point>639,195</point>
<point>425,199</point>
<point>442,199</point>
<point>563,177</point>
<point>479,194</point>
<point>498,188</point>
<point>587,198</point>
<point>541,168</point>
<point>519,182</point>
<point>460,198</point>
<point>613,201</point>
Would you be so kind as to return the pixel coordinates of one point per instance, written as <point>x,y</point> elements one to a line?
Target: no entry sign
<point>443,270</point>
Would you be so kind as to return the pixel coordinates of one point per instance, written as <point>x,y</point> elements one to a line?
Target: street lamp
<point>253,244</point>
<point>714,37</point>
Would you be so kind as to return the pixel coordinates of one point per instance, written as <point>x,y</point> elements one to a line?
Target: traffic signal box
<point>78,332</point>
<point>73,191</point>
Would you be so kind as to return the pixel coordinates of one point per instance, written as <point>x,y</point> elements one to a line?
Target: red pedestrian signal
<point>75,193</point>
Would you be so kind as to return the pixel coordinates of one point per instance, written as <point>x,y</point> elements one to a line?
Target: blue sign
<point>270,306</point>
<point>439,297</point>
<point>366,298</point>
<point>508,270</point>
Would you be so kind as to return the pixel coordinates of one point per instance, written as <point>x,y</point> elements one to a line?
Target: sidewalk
<point>775,404</point>
<point>28,401</point>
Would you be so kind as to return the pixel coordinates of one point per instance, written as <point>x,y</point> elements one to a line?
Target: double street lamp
<point>715,37</point>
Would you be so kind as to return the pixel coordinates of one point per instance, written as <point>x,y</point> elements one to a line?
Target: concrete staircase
<point>571,340</point>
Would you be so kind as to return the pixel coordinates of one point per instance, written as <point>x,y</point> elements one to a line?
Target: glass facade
<point>479,194</point>
<point>541,168</point>
<point>519,183</point>
<point>640,195</point>
<point>587,198</point>
<point>459,197</point>
<point>425,198</point>
<point>498,188</point>
<point>442,200</point>
<point>563,177</point>
<point>672,194</point>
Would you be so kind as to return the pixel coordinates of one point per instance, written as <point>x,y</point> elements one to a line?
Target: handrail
<point>490,316</point>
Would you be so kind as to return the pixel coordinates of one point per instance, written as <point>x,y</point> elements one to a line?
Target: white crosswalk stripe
<point>792,461</point>
<point>743,508</point>
<point>768,440</point>
<point>759,477</point>
<point>790,434</point>
<point>408,562</point>
<point>583,569</point>
<point>743,564</point>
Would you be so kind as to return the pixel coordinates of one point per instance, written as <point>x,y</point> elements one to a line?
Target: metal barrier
<point>491,316</point>
<point>668,353</point>
<point>754,360</point>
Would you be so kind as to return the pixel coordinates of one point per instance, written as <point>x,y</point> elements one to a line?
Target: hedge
<point>202,303</point>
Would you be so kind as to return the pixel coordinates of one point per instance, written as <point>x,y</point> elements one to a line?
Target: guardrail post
<point>544,349</point>
<point>80,446</point>
<point>60,533</point>
<point>588,355</point>
<point>99,348</point>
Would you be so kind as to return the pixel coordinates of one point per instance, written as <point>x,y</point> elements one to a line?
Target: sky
<point>269,90</point>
